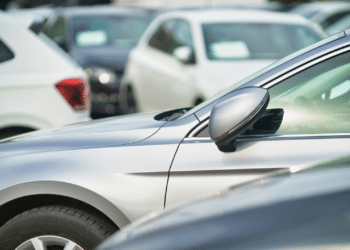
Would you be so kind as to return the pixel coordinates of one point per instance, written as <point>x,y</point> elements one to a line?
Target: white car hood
<point>226,73</point>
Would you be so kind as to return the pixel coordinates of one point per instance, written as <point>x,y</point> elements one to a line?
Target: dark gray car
<point>99,38</point>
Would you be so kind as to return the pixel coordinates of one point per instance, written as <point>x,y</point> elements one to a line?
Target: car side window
<point>161,38</point>
<point>57,31</point>
<point>180,36</point>
<point>316,100</point>
<point>204,132</point>
<point>5,52</point>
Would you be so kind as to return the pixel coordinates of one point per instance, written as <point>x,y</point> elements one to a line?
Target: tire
<point>130,103</point>
<point>54,227</point>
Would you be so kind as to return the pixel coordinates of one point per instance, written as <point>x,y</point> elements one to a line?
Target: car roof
<point>24,20</point>
<point>320,7</point>
<point>236,15</point>
<point>102,10</point>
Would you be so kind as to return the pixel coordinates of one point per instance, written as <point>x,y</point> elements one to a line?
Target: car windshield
<point>246,41</point>
<point>260,72</point>
<point>100,31</point>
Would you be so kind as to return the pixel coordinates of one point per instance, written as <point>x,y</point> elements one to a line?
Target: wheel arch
<point>24,196</point>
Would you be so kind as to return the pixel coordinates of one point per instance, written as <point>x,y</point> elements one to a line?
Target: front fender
<point>68,190</point>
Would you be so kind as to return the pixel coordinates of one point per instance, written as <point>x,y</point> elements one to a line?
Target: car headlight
<point>103,76</point>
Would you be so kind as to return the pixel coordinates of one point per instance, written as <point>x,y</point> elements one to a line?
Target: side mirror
<point>234,113</point>
<point>184,54</point>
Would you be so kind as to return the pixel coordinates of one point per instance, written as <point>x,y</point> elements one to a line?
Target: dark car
<point>99,38</point>
<point>304,210</point>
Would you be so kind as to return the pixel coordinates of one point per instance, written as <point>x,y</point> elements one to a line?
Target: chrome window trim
<point>198,139</point>
<point>197,129</point>
<point>308,65</point>
<point>288,136</point>
<point>275,77</point>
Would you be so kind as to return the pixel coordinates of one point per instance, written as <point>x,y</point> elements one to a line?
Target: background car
<point>40,87</point>
<point>185,57</point>
<point>304,210</point>
<point>325,14</point>
<point>342,24</point>
<point>99,38</point>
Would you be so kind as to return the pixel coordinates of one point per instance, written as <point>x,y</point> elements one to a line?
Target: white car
<point>40,86</point>
<point>183,53</point>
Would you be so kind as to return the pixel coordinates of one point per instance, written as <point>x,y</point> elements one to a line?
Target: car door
<point>167,83</point>
<point>307,121</point>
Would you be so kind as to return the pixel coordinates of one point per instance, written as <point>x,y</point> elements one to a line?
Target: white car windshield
<point>249,41</point>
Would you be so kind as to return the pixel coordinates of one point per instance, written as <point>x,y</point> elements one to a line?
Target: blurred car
<point>308,209</point>
<point>185,57</point>
<point>99,38</point>
<point>325,14</point>
<point>40,87</point>
<point>99,176</point>
<point>35,13</point>
<point>339,26</point>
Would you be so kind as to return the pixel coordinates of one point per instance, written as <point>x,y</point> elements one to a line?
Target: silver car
<point>74,186</point>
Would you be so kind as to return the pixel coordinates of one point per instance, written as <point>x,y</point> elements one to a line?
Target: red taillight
<point>76,91</point>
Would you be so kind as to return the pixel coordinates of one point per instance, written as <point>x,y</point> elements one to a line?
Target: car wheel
<point>131,106</point>
<point>54,228</point>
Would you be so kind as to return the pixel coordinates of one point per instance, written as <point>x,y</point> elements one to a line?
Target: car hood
<point>99,133</point>
<point>225,74</point>
<point>109,57</point>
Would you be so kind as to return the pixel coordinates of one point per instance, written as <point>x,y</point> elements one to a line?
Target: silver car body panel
<point>128,183</point>
<point>202,169</point>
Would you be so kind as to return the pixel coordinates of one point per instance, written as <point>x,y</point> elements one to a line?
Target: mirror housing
<point>184,54</point>
<point>234,113</point>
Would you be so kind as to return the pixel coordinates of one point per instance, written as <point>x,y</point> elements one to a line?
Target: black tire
<point>130,102</point>
<point>81,227</point>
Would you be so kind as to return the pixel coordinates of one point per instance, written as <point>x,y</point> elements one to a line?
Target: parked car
<point>325,14</point>
<point>341,25</point>
<point>303,210</point>
<point>185,57</point>
<point>40,87</point>
<point>99,38</point>
<point>99,176</point>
